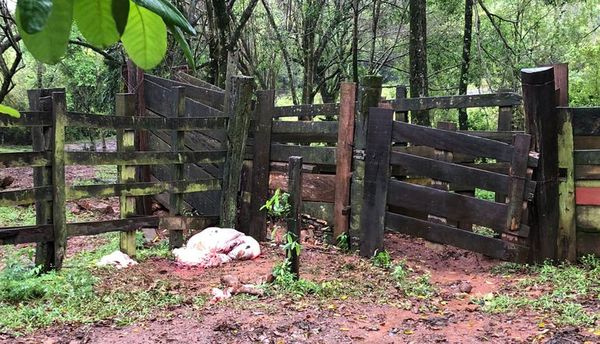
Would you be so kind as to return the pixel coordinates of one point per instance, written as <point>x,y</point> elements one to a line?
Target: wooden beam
<point>59,213</point>
<point>125,104</point>
<point>329,109</point>
<point>294,221</point>
<point>457,102</point>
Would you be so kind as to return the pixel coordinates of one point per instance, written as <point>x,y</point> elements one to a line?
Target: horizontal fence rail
<point>456,102</point>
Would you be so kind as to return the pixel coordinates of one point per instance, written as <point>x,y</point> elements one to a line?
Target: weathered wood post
<point>125,106</point>
<point>376,179</point>
<point>40,100</point>
<point>59,196</point>
<point>343,168</point>
<point>505,117</point>
<point>542,123</point>
<point>177,145</point>
<point>369,94</point>
<point>263,116</point>
<point>401,93</point>
<point>294,221</point>
<point>567,228</point>
<point>239,109</point>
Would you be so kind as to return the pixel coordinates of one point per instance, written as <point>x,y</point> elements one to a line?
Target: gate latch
<point>359,154</point>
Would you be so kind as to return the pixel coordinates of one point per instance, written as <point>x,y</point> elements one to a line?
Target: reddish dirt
<point>381,315</point>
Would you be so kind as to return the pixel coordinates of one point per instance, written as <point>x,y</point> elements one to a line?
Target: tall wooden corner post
<point>294,221</point>
<point>178,170</point>
<point>59,197</point>
<point>543,124</point>
<point>238,106</point>
<point>41,100</point>
<point>369,94</point>
<point>125,106</point>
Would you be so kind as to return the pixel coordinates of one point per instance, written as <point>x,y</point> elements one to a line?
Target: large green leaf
<point>169,13</point>
<point>9,111</point>
<point>95,21</point>
<point>120,11</point>
<point>184,45</point>
<point>33,14</point>
<point>50,44</point>
<point>145,37</point>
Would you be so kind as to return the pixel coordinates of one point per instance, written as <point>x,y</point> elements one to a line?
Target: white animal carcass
<point>117,259</point>
<point>215,246</point>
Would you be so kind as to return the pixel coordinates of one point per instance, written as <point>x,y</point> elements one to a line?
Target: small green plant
<point>413,286</point>
<point>382,259</point>
<point>277,206</point>
<point>343,242</point>
<point>291,244</point>
<point>285,283</point>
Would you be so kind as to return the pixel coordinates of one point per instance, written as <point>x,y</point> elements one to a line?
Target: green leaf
<point>33,14</point>
<point>169,13</point>
<point>183,44</point>
<point>120,12</point>
<point>145,37</point>
<point>96,23</point>
<point>50,44</point>
<point>9,111</point>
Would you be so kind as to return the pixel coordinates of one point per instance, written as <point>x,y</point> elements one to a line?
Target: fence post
<point>39,100</point>
<point>263,116</point>
<point>516,187</point>
<point>177,146</point>
<point>505,116</point>
<point>369,95</point>
<point>401,93</point>
<point>294,221</point>
<point>377,177</point>
<point>240,109</point>
<point>343,168</point>
<point>542,124</point>
<point>125,106</point>
<point>59,198</point>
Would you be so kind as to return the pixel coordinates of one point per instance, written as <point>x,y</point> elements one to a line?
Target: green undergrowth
<point>17,216</point>
<point>76,294</point>
<point>560,292</point>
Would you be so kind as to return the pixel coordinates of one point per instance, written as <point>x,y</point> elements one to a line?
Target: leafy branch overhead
<point>141,25</point>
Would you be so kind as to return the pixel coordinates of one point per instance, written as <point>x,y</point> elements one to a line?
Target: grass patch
<point>562,291</point>
<point>411,284</point>
<point>17,216</point>
<point>29,300</point>
<point>14,149</point>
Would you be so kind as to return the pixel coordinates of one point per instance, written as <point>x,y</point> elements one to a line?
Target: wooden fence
<point>48,121</point>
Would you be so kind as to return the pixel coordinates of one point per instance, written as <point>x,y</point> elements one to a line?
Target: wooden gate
<point>397,197</point>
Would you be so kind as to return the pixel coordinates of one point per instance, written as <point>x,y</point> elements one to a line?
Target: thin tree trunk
<point>418,57</point>
<point>355,5</point>
<point>375,23</point>
<point>463,119</point>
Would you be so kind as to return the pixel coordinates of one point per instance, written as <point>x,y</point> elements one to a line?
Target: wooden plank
<point>304,131</point>
<point>310,155</point>
<point>369,95</point>
<point>452,141</point>
<point>40,194</point>
<point>502,136</point>
<point>505,116</point>
<point>184,77</point>
<point>25,159</point>
<point>134,158</point>
<point>457,102</point>
<point>156,98</point>
<point>294,220</point>
<point>319,210</point>
<point>315,187</point>
<point>450,172</point>
<point>587,157</point>
<point>59,214</point>
<point>125,104</point>
<point>210,97</point>
<point>518,178</point>
<point>138,189</point>
<point>542,123</point>
<point>35,118</point>
<point>328,109</point>
<point>177,170</point>
<point>585,172</point>
<point>377,175</point>
<point>121,225</point>
<point>588,243</point>
<point>27,234</point>
<point>567,229</point>
<point>197,109</point>
<point>588,183</point>
<point>587,196</point>
<point>588,218</point>
<point>343,168</point>
<point>587,142</point>
<point>76,119</point>
<point>446,204</point>
<point>492,247</point>
<point>41,138</point>
<point>240,110</point>
<point>260,163</point>
<point>586,121</point>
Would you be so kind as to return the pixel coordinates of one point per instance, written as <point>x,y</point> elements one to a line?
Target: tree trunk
<point>463,119</point>
<point>418,57</point>
<point>355,42</point>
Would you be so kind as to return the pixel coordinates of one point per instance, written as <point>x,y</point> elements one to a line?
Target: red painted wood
<point>587,196</point>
